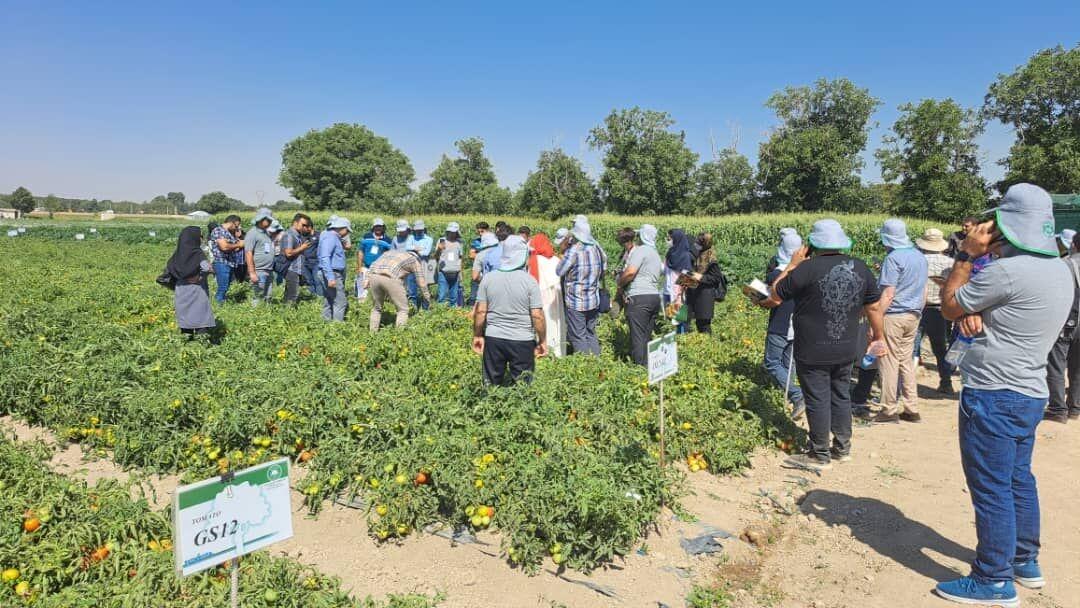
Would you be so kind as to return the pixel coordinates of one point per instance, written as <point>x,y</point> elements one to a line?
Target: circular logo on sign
<point>274,473</point>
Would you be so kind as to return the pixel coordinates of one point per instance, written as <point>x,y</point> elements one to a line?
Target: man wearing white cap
<point>508,327</point>
<point>1012,311</point>
<point>1064,360</point>
<point>402,240</point>
<point>640,281</point>
<point>933,325</point>
<point>422,245</point>
<point>386,281</point>
<point>903,293</point>
<point>448,256</point>
<point>259,256</point>
<point>374,244</point>
<point>332,266</point>
<point>582,270</point>
<point>831,291</point>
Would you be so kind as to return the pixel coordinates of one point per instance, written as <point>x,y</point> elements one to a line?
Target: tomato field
<point>566,470</point>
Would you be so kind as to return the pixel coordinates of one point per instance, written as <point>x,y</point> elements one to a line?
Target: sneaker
<point>969,591</point>
<point>861,410</point>
<point>1029,575</point>
<point>840,456</point>
<point>798,410</point>
<point>807,462</point>
<point>945,388</point>
<point>1056,417</point>
<point>910,417</point>
<point>883,418</point>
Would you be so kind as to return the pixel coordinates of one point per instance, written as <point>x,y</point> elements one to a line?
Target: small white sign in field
<point>216,521</point>
<point>663,358</point>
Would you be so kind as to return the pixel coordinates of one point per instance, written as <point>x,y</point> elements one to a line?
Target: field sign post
<point>219,519</point>
<point>663,362</point>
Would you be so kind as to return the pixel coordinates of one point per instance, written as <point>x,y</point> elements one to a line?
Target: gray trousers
<point>641,312</point>
<point>336,298</point>
<point>292,287</point>
<point>581,330</point>
<point>1064,361</point>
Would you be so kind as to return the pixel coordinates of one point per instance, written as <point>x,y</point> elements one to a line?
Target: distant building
<point>9,214</point>
<point>107,215</point>
<point>199,215</point>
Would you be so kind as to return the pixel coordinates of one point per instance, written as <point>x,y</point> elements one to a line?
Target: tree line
<point>811,161</point>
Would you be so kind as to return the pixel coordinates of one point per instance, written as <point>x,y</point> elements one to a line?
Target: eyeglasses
<point>305,225</point>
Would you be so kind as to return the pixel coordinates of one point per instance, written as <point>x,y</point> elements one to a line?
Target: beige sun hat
<point>932,240</point>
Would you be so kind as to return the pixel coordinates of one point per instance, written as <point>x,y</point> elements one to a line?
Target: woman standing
<point>709,279</point>
<point>188,268</point>
<point>542,266</point>
<point>678,261</point>
<point>448,254</point>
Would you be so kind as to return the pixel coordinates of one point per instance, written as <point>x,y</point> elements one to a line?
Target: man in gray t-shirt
<point>259,257</point>
<point>640,279</point>
<point>508,324</point>
<point>1014,309</point>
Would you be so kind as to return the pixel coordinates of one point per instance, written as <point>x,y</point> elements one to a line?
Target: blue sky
<point>129,100</point>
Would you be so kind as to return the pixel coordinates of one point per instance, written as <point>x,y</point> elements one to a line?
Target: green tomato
<point>271,596</point>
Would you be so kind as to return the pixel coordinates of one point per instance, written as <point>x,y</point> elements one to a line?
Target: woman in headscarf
<point>542,266</point>
<point>188,268</point>
<point>710,279</point>
<point>677,261</point>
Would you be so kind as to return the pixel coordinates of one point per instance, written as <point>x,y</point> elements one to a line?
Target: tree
<point>22,200</point>
<point>722,185</point>
<point>177,201</point>
<point>51,204</point>
<point>466,184</point>
<point>646,166</point>
<point>1041,100</point>
<point>345,166</point>
<point>933,154</point>
<point>557,188</point>
<point>284,205</point>
<point>218,202</point>
<point>811,161</point>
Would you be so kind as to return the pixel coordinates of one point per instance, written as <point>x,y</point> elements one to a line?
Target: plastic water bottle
<point>959,348</point>
<point>869,361</point>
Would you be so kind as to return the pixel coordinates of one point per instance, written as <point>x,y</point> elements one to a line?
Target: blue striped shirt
<point>582,270</point>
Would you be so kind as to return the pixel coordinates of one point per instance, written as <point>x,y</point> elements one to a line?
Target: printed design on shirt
<point>841,291</point>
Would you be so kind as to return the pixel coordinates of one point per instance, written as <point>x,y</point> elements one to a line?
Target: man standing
<point>640,281</point>
<point>903,292</point>
<point>403,240</point>
<point>422,245</point>
<point>958,237</point>
<point>933,325</point>
<point>508,327</point>
<point>312,276</point>
<point>493,257</point>
<point>373,245</point>
<point>449,254</point>
<point>780,335</point>
<point>474,251</point>
<point>332,266</point>
<point>830,290</point>
<point>386,281</point>
<point>1014,309</point>
<point>1064,360</point>
<point>293,246</point>
<point>259,257</point>
<point>582,270</point>
<point>223,247</point>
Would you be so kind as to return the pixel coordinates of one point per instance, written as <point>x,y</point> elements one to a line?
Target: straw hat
<point>932,240</point>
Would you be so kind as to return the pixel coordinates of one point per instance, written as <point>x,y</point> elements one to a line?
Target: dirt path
<point>876,532</point>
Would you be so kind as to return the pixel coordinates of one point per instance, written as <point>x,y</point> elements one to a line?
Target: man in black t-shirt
<point>831,291</point>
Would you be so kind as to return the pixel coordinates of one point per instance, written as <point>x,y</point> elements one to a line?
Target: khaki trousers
<point>897,367</point>
<point>383,288</point>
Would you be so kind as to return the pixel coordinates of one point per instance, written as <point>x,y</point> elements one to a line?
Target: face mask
<point>670,243</point>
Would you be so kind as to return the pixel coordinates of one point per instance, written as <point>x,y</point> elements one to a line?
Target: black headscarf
<point>187,260</point>
<point>678,256</point>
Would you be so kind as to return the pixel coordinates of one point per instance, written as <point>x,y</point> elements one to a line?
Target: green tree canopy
<point>1041,100</point>
<point>646,167</point>
<point>933,154</point>
<point>22,200</point>
<point>218,202</point>
<point>345,166</point>
<point>811,161</point>
<point>722,185</point>
<point>558,187</point>
<point>465,184</point>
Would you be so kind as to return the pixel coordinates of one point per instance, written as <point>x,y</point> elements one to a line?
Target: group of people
<point>998,300</point>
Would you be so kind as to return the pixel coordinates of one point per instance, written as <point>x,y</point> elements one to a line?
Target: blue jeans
<point>223,273</point>
<point>413,289</point>
<point>997,435</point>
<point>449,288</point>
<point>261,292</point>
<point>473,287</point>
<point>777,358</point>
<point>313,279</point>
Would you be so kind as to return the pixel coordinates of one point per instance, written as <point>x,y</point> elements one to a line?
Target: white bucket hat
<point>894,234</point>
<point>1026,218</point>
<point>515,252</point>
<point>829,234</point>
<point>378,222</point>
<point>402,225</point>
<point>262,214</point>
<point>340,222</point>
<point>453,227</point>
<point>419,225</point>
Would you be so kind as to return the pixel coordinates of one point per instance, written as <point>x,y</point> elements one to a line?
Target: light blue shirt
<point>405,244</point>
<point>331,254</point>
<point>492,258</point>
<point>906,270</point>
<point>423,245</point>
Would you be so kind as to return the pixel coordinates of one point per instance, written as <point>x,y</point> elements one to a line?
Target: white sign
<point>152,233</point>
<point>80,236</point>
<point>93,230</point>
<point>21,229</point>
<point>663,358</point>
<point>215,521</point>
<point>13,233</point>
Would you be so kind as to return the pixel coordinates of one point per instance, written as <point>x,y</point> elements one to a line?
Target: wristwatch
<point>963,256</point>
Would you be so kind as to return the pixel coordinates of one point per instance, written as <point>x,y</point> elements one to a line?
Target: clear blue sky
<point>129,100</point>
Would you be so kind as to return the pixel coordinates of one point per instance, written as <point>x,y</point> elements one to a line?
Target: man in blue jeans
<point>780,335</point>
<point>1013,308</point>
<point>224,247</point>
<point>259,257</point>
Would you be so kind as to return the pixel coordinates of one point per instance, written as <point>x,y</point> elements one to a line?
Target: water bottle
<point>869,361</point>
<point>959,348</point>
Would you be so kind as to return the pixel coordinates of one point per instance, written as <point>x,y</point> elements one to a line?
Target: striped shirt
<point>398,264</point>
<point>582,270</point>
<point>223,257</point>
<point>937,265</point>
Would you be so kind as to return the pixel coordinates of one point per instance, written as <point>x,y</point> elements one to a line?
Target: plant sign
<point>222,518</point>
<point>663,358</point>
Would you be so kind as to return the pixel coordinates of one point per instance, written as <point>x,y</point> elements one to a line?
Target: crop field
<point>565,470</point>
